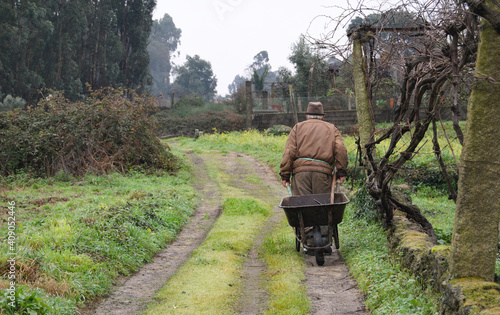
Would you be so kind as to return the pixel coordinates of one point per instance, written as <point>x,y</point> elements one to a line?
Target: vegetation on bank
<point>75,235</point>
<point>190,113</point>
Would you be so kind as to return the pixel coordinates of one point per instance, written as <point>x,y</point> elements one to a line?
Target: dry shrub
<point>112,130</point>
<point>53,287</point>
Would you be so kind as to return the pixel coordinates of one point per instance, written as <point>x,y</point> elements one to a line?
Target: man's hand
<point>285,183</point>
<point>341,180</point>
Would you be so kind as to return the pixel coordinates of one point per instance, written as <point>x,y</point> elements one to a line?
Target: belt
<point>309,159</point>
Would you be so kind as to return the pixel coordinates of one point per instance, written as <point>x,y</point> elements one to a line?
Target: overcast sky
<point>229,33</point>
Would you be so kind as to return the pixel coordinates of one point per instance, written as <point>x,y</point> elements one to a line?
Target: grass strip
<point>210,281</point>
<point>74,236</point>
<point>285,273</point>
<point>388,289</point>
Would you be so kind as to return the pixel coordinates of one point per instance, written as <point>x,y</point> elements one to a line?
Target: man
<point>313,148</point>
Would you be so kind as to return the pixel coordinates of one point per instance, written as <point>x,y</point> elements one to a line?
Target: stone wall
<point>414,249</point>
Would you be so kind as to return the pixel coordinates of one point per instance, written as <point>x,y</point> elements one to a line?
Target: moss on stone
<point>481,296</point>
<point>440,249</point>
<point>415,240</point>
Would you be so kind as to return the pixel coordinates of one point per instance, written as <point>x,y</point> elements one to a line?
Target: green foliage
<point>64,45</point>
<point>279,130</point>
<point>388,289</point>
<point>23,302</point>
<point>188,101</point>
<point>444,235</point>
<point>111,130</point>
<point>364,206</point>
<point>431,177</point>
<point>239,101</point>
<point>304,59</point>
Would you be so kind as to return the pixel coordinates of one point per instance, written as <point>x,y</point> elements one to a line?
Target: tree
<point>25,31</point>
<point>134,19</point>
<point>64,44</point>
<point>259,70</point>
<point>475,235</point>
<point>195,77</point>
<point>311,70</point>
<point>238,81</point>
<point>163,42</point>
<point>364,108</point>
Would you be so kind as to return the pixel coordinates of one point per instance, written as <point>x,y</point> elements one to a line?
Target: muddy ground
<point>330,288</point>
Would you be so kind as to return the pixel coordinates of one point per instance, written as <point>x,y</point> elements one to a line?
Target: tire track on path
<point>329,287</point>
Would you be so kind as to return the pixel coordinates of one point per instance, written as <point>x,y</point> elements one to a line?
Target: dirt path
<point>330,288</point>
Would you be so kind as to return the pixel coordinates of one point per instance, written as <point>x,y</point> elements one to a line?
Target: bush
<point>222,121</point>
<point>189,101</point>
<point>111,131</point>
<point>429,176</point>
<point>279,130</point>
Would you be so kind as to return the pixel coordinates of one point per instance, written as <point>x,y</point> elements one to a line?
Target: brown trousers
<point>310,183</point>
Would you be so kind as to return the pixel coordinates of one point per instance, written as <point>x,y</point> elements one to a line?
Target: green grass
<point>388,289</point>
<point>438,209</point>
<point>210,281</point>
<point>285,273</point>
<point>74,236</point>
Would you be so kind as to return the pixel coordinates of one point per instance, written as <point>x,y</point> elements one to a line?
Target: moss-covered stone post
<point>362,97</point>
<point>475,235</point>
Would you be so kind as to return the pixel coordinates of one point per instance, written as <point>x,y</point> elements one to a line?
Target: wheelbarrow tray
<point>314,209</point>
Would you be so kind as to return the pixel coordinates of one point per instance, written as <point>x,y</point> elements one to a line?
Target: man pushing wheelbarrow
<point>313,151</point>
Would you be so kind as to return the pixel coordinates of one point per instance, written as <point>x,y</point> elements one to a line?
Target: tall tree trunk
<point>362,97</point>
<point>249,104</point>
<point>475,235</point>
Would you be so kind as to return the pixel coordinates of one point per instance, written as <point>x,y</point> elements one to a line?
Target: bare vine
<point>429,49</point>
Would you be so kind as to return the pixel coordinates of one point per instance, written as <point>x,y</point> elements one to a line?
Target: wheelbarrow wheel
<point>318,242</point>
<point>297,237</point>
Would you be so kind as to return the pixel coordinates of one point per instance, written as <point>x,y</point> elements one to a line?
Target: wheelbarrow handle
<point>334,183</point>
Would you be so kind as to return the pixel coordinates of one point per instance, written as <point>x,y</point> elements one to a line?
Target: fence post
<point>272,95</point>
<point>265,102</point>
<point>294,106</point>
<point>249,104</point>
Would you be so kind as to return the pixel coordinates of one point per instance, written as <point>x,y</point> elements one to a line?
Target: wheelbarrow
<point>315,211</point>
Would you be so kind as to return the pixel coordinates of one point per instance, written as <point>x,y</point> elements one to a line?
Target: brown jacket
<point>318,140</point>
